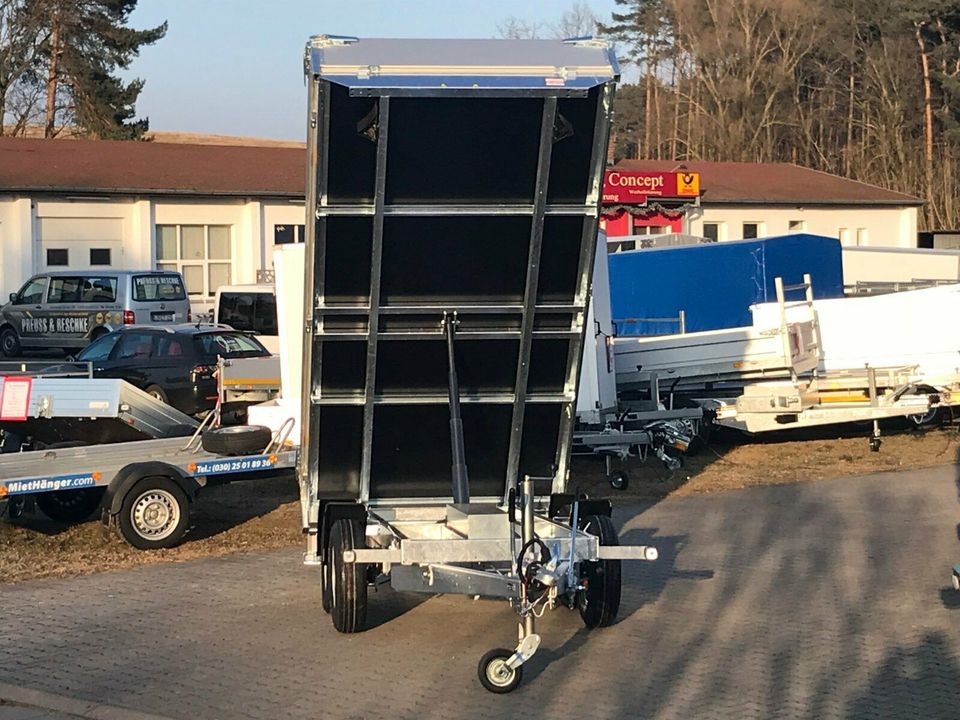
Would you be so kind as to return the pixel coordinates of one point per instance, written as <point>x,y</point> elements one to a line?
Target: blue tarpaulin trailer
<point>712,286</point>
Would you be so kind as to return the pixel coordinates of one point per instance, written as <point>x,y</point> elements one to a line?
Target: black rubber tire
<point>237,439</point>
<point>70,506</point>
<point>486,671</point>
<point>10,343</point>
<point>181,431</point>
<point>348,581</point>
<point>619,480</point>
<point>172,492</point>
<point>326,597</point>
<point>158,392</point>
<point>600,601</point>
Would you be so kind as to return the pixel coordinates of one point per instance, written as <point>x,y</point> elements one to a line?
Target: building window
<point>751,231</point>
<point>651,229</point>
<point>201,253</point>
<point>58,257</point>
<point>844,236</point>
<point>863,237</point>
<point>286,234</point>
<point>711,231</point>
<point>100,256</point>
<point>797,225</point>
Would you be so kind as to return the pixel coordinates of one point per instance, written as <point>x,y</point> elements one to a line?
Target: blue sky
<point>233,67</point>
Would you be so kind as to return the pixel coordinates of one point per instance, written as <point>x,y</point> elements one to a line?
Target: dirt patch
<point>265,514</point>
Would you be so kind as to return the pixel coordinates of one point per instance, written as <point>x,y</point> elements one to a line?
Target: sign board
<point>627,187</point>
<point>15,398</point>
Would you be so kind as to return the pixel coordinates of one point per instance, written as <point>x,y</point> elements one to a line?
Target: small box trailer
<point>452,205</point>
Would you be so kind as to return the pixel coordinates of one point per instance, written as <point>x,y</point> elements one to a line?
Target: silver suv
<point>68,309</point>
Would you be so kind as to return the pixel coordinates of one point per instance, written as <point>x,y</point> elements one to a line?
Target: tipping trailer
<point>453,187</point>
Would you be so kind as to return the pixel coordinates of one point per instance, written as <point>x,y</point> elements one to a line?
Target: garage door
<point>79,243</point>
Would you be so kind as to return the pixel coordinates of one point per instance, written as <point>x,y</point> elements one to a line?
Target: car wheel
<point>10,343</point>
<point>157,392</point>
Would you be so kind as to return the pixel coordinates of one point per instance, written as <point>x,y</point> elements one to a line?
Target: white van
<point>249,308</point>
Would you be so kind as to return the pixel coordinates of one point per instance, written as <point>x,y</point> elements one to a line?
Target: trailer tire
<point>619,480</point>
<point>599,602</point>
<point>155,514</point>
<point>70,506</point>
<point>237,439</point>
<point>326,597</point>
<point>495,676</point>
<point>348,581</point>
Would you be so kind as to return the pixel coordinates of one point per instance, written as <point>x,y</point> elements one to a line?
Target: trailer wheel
<point>599,602</point>
<point>70,506</point>
<point>155,514</point>
<point>494,673</point>
<point>619,479</point>
<point>237,439</point>
<point>326,596</point>
<point>348,581</point>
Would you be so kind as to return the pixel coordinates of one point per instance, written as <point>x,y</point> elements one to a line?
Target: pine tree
<point>88,42</point>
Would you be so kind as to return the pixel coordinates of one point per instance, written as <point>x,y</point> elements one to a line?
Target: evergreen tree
<point>88,42</point>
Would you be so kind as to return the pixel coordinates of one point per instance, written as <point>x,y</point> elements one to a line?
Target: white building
<point>213,212</point>
<point>755,200</point>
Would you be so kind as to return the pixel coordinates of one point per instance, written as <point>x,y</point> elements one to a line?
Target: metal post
<point>683,321</point>
<point>461,483</point>
<point>547,122</point>
<point>373,328</point>
<point>527,536</point>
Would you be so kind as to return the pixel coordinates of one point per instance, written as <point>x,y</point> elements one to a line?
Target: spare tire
<point>237,439</point>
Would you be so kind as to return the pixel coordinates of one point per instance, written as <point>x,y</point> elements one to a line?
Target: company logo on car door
<point>56,324</point>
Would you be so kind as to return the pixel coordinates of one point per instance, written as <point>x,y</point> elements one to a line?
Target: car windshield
<point>158,288</point>
<point>228,345</point>
<point>99,349</point>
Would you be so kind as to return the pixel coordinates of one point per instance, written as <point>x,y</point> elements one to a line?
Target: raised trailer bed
<point>454,186</point>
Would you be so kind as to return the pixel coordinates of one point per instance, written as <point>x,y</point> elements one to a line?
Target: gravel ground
<point>264,514</point>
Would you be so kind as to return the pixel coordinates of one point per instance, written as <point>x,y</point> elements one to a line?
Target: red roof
<point>81,166</point>
<point>773,184</point>
<point>97,166</point>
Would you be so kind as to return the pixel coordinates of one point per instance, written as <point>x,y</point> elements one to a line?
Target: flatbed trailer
<point>144,487</point>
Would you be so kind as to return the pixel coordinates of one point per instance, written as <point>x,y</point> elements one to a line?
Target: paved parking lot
<point>821,600</point>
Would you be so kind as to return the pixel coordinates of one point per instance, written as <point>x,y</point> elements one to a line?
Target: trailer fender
<point>333,511</point>
<point>134,473</point>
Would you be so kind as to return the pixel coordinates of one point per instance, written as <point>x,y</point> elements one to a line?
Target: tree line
<point>867,89</point>
<point>59,63</point>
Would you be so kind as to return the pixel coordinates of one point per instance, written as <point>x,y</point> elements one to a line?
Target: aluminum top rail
<point>576,64</point>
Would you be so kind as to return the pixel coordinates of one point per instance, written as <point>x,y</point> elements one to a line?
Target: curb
<point>70,706</point>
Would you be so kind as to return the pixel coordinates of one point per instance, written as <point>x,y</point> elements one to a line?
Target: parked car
<point>251,308</point>
<point>175,364</point>
<point>69,309</point>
